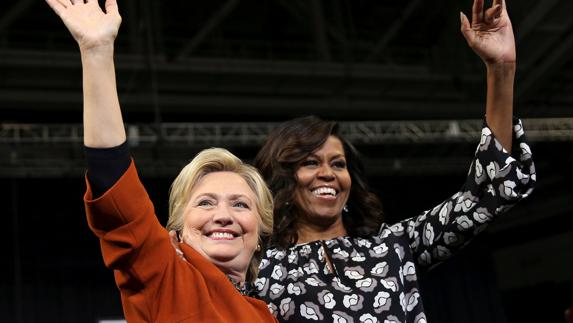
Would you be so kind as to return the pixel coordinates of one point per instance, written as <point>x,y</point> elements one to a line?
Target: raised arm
<point>496,180</point>
<point>95,32</point>
<point>490,35</point>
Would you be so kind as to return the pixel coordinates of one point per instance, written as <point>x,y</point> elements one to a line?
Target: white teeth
<point>222,235</point>
<point>324,191</point>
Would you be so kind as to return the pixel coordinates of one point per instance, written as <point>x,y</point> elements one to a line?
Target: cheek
<point>251,225</point>
<point>299,197</point>
<point>303,177</point>
<point>298,192</point>
<point>347,181</point>
<point>193,221</point>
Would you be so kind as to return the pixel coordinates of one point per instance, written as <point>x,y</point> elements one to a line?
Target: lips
<point>222,234</point>
<point>324,191</point>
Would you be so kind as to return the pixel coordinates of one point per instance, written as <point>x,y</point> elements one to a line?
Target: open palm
<point>89,25</point>
<point>490,33</point>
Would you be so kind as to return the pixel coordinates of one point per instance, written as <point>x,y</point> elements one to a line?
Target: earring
<point>345,208</point>
<point>258,248</point>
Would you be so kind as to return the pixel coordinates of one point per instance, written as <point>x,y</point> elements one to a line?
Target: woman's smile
<point>323,182</point>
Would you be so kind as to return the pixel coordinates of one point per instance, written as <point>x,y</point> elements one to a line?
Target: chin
<point>327,214</point>
<point>220,253</point>
<point>223,256</point>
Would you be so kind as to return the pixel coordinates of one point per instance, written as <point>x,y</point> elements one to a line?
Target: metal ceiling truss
<point>253,134</point>
<point>44,150</point>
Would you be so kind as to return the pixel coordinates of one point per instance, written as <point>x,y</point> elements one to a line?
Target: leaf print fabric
<point>377,278</point>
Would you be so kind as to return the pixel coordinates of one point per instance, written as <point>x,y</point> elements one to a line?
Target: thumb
<point>466,28</point>
<point>173,238</point>
<point>175,244</point>
<point>192,237</point>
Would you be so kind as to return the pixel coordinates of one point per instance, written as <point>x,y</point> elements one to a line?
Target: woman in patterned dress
<point>332,257</point>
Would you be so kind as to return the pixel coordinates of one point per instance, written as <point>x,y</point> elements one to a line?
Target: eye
<point>241,204</point>
<point>339,164</point>
<point>205,202</point>
<point>309,163</point>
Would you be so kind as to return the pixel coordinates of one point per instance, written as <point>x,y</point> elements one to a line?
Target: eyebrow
<point>339,155</point>
<point>232,197</point>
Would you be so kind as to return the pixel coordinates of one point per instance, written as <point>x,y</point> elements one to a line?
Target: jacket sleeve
<point>496,181</point>
<point>132,239</point>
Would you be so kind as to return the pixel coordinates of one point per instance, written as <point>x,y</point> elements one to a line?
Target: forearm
<point>103,123</point>
<point>499,101</point>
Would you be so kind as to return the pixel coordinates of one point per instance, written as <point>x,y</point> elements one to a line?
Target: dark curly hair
<point>285,148</point>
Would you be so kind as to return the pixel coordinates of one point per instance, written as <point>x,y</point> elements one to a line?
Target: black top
<point>105,166</point>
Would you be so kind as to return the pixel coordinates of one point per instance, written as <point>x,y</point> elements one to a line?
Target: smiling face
<point>323,183</point>
<point>222,221</point>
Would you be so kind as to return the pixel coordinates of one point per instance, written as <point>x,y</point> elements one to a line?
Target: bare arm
<point>490,35</point>
<point>95,32</point>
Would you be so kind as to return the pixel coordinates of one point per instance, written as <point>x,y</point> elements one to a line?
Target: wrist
<point>501,68</point>
<point>102,50</point>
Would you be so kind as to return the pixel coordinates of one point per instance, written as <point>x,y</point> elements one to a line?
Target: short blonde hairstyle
<point>221,160</point>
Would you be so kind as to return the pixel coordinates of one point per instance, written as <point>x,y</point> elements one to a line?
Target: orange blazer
<point>155,284</point>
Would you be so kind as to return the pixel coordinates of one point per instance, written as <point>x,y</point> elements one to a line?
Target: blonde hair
<point>221,160</point>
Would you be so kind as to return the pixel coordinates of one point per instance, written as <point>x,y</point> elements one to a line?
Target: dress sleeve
<point>496,181</point>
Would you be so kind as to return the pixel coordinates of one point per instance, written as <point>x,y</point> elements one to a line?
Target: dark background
<point>244,65</point>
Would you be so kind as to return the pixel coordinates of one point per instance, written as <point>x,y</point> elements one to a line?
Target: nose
<point>325,173</point>
<point>223,216</point>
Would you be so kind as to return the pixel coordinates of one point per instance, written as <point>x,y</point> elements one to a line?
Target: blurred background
<point>399,77</point>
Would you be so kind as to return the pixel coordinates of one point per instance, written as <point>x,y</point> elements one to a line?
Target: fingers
<point>173,238</point>
<point>175,244</point>
<point>57,6</point>
<point>111,6</point>
<point>76,2</point>
<point>493,13</point>
<point>488,16</point>
<point>477,12</point>
<point>500,3</point>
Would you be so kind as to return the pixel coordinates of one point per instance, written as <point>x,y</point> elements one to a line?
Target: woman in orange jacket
<point>219,207</point>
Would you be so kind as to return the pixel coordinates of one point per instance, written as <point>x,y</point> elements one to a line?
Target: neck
<point>308,231</point>
<point>237,277</point>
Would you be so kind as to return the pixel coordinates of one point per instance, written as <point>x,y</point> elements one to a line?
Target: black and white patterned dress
<point>375,279</point>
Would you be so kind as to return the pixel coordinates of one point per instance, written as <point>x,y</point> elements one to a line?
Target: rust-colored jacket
<point>155,284</point>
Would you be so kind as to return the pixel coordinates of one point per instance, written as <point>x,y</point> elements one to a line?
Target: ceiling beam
<point>248,106</point>
<point>389,35</point>
<point>214,21</point>
<point>300,11</point>
<point>59,60</point>
<point>534,18</point>
<point>548,63</point>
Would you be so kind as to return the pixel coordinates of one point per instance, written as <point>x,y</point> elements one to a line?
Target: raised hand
<point>192,238</point>
<point>490,33</point>
<point>89,25</point>
<point>175,244</point>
